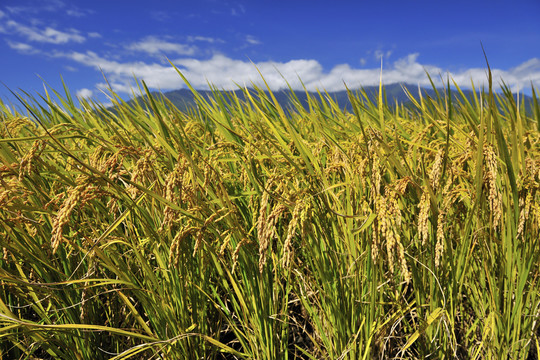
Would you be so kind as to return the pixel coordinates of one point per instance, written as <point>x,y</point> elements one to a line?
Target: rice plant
<point>242,230</point>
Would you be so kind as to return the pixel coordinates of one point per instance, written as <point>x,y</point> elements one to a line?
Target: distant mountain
<point>184,99</point>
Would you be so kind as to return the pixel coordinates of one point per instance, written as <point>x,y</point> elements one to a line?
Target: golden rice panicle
<point>439,247</point>
<point>26,166</point>
<point>6,197</point>
<point>173,181</point>
<point>525,209</point>
<point>535,221</point>
<point>113,206</point>
<point>423,216</point>
<point>305,217</point>
<point>375,243</point>
<point>198,240</point>
<point>405,272</point>
<point>269,232</point>
<point>266,223</point>
<point>143,171</point>
<point>169,214</point>
<point>381,229</point>
<point>418,139</point>
<point>227,235</point>
<point>436,170</point>
<point>63,215</point>
<point>379,226</point>
<point>236,253</point>
<point>531,185</point>
<point>490,182</point>
<point>399,190</point>
<point>13,125</point>
<point>387,227</point>
<point>393,226</point>
<point>337,161</point>
<point>359,162</point>
<point>288,249</point>
<point>375,199</point>
<point>96,158</point>
<point>174,251</point>
<point>77,197</point>
<point>113,166</point>
<point>212,219</point>
<point>386,230</point>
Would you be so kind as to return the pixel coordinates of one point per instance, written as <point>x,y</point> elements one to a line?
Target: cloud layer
<point>227,73</point>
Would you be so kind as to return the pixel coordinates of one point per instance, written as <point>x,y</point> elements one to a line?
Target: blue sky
<point>324,43</point>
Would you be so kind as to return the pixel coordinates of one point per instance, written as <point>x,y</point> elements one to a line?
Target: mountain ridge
<point>184,98</point>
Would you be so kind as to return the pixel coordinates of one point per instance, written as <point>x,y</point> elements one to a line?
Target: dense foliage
<point>238,230</point>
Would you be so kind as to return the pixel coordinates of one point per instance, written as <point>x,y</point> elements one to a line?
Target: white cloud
<point>238,12</point>
<point>85,93</point>
<point>204,38</point>
<point>94,35</point>
<point>47,35</point>
<point>49,5</point>
<point>379,54</point>
<point>227,73</point>
<point>77,12</point>
<point>121,74</point>
<point>21,47</point>
<point>2,28</point>
<point>58,37</point>
<point>20,9</point>
<point>252,40</point>
<point>153,46</point>
<point>126,88</point>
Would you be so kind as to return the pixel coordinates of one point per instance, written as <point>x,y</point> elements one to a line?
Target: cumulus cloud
<point>227,73</point>
<point>117,87</point>
<point>85,93</point>
<point>47,35</point>
<point>153,46</point>
<point>21,47</point>
<point>121,74</point>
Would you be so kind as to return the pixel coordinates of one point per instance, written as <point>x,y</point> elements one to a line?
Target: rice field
<point>243,230</point>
